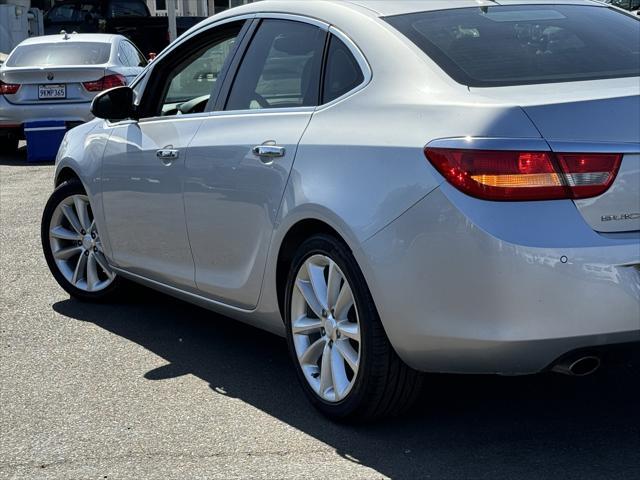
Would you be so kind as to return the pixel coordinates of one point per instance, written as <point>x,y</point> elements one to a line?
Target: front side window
<point>281,68</point>
<point>197,78</point>
<point>186,80</point>
<point>526,44</point>
<point>342,72</point>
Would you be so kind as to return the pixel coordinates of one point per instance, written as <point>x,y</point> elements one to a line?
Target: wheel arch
<point>295,236</point>
<point>66,174</point>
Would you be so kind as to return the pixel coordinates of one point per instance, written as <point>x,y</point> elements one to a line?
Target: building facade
<point>194,8</point>
<point>184,8</point>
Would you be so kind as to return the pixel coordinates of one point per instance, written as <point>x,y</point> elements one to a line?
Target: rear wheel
<point>72,245</point>
<point>343,358</point>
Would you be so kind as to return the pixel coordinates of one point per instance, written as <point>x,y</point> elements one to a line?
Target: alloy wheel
<point>326,328</point>
<point>76,247</point>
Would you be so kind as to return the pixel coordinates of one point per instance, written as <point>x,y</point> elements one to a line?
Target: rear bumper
<point>15,116</point>
<point>501,288</point>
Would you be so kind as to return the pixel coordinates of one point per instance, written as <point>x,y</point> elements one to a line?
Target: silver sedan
<point>56,77</point>
<point>398,187</point>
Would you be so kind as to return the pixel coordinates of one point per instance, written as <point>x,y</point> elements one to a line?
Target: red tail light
<point>105,83</point>
<point>8,88</point>
<point>509,175</point>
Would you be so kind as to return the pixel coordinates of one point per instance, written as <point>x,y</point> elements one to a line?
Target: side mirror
<point>114,104</point>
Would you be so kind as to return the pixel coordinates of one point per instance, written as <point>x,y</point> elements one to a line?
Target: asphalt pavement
<point>153,388</point>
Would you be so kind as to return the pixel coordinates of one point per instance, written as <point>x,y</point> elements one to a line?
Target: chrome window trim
<point>534,144</point>
<point>295,18</point>
<point>351,45</point>
<point>160,119</point>
<point>173,118</point>
<point>595,147</point>
<point>487,143</point>
<point>263,111</point>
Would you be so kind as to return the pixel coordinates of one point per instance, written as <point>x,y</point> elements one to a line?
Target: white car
<point>56,77</point>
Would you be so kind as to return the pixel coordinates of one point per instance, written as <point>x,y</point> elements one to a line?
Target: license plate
<point>47,92</point>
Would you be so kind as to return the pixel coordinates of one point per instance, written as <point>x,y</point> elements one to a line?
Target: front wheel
<point>72,246</point>
<point>344,360</point>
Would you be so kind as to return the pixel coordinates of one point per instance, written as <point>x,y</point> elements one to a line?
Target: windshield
<point>527,44</point>
<point>59,54</point>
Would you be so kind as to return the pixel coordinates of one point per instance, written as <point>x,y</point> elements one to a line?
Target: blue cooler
<point>43,139</point>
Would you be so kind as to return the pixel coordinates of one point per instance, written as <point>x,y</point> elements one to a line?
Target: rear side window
<point>527,44</point>
<point>281,68</point>
<point>342,72</point>
<point>58,54</point>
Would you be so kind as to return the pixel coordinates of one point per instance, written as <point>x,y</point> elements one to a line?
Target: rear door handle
<point>269,152</point>
<point>167,155</point>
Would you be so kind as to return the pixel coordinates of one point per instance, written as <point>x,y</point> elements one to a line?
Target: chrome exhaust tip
<point>578,366</point>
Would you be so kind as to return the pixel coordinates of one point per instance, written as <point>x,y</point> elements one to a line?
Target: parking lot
<point>155,388</point>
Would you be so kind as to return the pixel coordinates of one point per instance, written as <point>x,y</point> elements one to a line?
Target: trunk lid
<point>590,117</point>
<point>31,79</point>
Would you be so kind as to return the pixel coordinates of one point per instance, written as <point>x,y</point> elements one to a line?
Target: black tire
<point>108,294</point>
<point>384,386</point>
<point>9,145</point>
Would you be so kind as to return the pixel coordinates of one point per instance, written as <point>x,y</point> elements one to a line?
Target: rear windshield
<point>526,44</point>
<point>58,54</point>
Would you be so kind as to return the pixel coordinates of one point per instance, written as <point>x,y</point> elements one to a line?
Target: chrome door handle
<point>167,155</point>
<point>269,151</point>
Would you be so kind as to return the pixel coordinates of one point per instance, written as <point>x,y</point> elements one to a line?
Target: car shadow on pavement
<point>543,426</point>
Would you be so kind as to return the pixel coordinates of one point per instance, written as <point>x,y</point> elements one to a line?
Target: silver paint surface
<point>461,284</point>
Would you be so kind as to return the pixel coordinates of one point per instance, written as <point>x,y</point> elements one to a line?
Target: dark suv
<point>631,5</point>
<point>130,18</point>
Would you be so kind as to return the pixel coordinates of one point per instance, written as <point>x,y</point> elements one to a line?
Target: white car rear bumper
<point>15,116</point>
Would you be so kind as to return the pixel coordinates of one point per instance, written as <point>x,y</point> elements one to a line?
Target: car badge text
<point>622,216</point>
